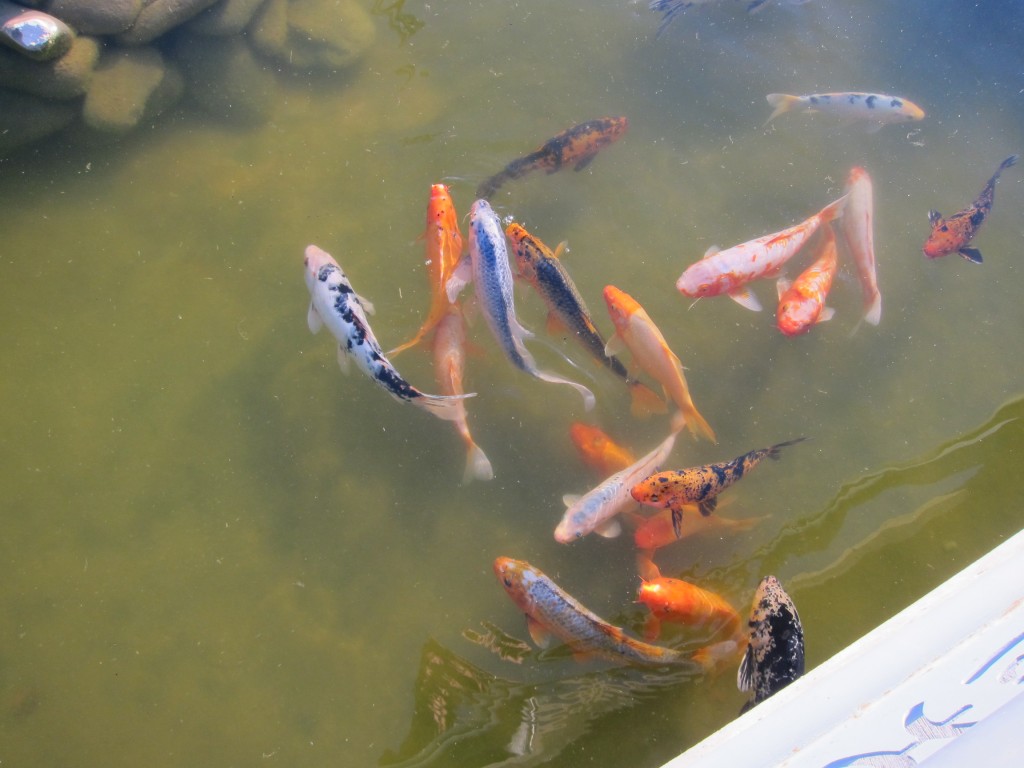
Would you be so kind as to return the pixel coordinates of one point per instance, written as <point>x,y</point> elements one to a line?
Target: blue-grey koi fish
<point>487,266</point>
<point>335,304</point>
<point>775,650</point>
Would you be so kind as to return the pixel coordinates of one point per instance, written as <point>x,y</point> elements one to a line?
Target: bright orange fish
<point>444,247</point>
<point>684,603</point>
<point>635,331</point>
<point>598,450</point>
<point>802,303</point>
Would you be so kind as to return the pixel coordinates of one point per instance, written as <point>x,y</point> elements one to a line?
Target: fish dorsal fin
<point>570,498</point>
<point>313,319</point>
<point>745,674</point>
<point>711,251</point>
<point>746,299</point>
<point>538,634</point>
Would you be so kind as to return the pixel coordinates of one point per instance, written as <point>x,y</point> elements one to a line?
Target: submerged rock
<point>96,17</point>
<point>317,34</point>
<point>25,118</point>
<point>128,85</point>
<point>34,34</point>
<point>226,79</point>
<point>159,16</point>
<point>228,17</point>
<point>63,78</point>
<point>268,30</point>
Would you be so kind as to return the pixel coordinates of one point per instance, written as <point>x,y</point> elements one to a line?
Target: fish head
<point>797,314</point>
<point>621,306</point>
<point>912,111</point>
<point>945,238</point>
<point>316,261</point>
<point>649,490</point>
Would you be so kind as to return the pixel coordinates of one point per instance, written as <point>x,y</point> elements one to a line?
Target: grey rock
<point>25,118</point>
<point>323,35</point>
<point>34,34</point>
<point>96,17</point>
<point>63,78</point>
<point>129,84</point>
<point>268,31</point>
<point>228,17</point>
<point>224,77</point>
<point>159,16</point>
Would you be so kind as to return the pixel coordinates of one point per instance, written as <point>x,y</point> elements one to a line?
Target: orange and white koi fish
<point>544,271</point>
<point>953,234</point>
<point>876,108</point>
<point>774,656</point>
<point>656,531</point>
<point>730,270</point>
<point>449,365</point>
<point>858,232</point>
<point>802,303</point>
<point>550,611</point>
<point>574,147</point>
<point>684,603</point>
<point>635,331</point>
<point>335,304</point>
<point>676,489</point>
<point>443,247</point>
<point>598,450</point>
<point>596,509</point>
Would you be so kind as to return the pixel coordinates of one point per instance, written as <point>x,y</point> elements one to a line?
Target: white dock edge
<point>940,682</point>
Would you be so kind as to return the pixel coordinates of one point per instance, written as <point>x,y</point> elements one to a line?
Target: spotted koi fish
<point>673,8</point>
<point>802,302</point>
<point>550,611</point>
<point>775,650</point>
<point>876,108</point>
<point>574,147</point>
<point>443,250</point>
<point>487,267</point>
<point>544,271</point>
<point>335,304</point>
<point>699,485</point>
<point>953,234</point>
<point>730,270</point>
<point>858,231</point>
<point>680,602</point>
<point>598,450</point>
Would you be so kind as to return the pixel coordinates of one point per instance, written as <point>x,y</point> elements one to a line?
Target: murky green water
<point>219,551</point>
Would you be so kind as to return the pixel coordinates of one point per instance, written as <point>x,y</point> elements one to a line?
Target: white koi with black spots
<point>335,304</point>
<point>876,108</point>
<point>775,650</point>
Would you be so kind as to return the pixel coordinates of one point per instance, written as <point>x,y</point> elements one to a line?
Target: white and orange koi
<point>635,331</point>
<point>875,108</point>
<point>802,303</point>
<point>335,304</point>
<point>730,270</point>
<point>858,232</point>
<point>449,365</point>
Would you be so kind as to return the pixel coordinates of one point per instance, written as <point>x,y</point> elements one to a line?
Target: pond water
<point>219,550</point>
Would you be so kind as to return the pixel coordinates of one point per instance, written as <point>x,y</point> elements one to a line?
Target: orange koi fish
<point>730,270</point>
<point>802,303</point>
<point>774,656</point>
<point>656,531</point>
<point>444,247</point>
<point>598,450</point>
<point>552,611</point>
<point>699,485</point>
<point>449,365</point>
<point>635,331</point>
<point>858,232</point>
<point>543,270</point>
<point>953,234</point>
<point>684,603</point>
<point>576,146</point>
<point>876,108</point>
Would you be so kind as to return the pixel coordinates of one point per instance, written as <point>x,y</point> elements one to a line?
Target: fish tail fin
<point>644,401</point>
<point>588,397</point>
<point>781,102</point>
<point>776,449</point>
<point>873,311</point>
<point>833,210</point>
<point>478,466</point>
<point>445,407</point>
<point>1011,160</point>
<point>715,657</point>
<point>697,425</point>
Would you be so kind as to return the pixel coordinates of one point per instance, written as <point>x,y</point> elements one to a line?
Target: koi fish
<point>730,270</point>
<point>543,270</point>
<point>802,303</point>
<point>576,146</point>
<point>672,8</point>
<point>877,108</point>
<point>449,364</point>
<point>595,510</point>
<point>953,234</point>
<point>699,485</point>
<point>598,450</point>
<point>488,267</point>
<point>775,651</point>
<point>657,531</point>
<point>552,611</point>
<point>858,233</point>
<point>335,304</point>
<point>635,331</point>
<point>444,247</point>
<point>684,603</point>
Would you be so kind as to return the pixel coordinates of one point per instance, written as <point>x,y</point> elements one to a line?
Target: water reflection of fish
<point>802,302</point>
<point>335,304</point>
<point>574,147</point>
<point>550,611</point>
<point>876,108</point>
<point>672,8</point>
<point>953,234</point>
<point>775,651</point>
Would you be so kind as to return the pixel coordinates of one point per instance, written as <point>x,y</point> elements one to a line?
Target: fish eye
<point>944,228</point>
<point>508,581</point>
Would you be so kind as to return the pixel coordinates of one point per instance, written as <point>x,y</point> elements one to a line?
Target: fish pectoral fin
<point>462,275</point>
<point>652,628</point>
<point>366,304</point>
<point>609,529</point>
<point>615,345</point>
<point>555,326</point>
<point>745,674</point>
<point>313,319</point>
<point>782,285</point>
<point>745,298</point>
<point>707,506</point>
<point>540,636</point>
<point>569,499</point>
<point>934,217</point>
<point>973,255</point>
<point>711,251</point>
<point>584,162</point>
<point>343,361</point>
<point>827,313</point>
<point>646,567</point>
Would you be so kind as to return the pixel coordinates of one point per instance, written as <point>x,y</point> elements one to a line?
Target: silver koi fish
<point>335,304</point>
<point>488,267</point>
